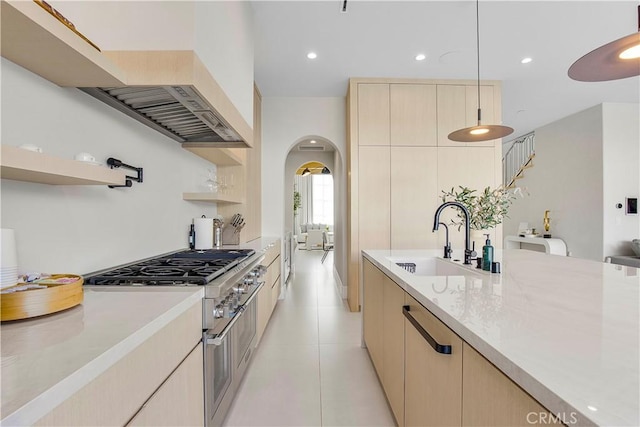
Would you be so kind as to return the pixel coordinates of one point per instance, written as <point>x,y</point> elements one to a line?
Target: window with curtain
<point>322,190</point>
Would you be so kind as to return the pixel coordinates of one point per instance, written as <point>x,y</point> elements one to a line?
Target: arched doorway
<point>318,156</point>
<point>313,207</point>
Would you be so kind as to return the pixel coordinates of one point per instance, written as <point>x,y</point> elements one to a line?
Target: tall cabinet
<point>400,160</point>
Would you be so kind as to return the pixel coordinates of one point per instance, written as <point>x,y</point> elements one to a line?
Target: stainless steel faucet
<point>468,252</point>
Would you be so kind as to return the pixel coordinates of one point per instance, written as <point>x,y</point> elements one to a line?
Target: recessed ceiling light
<point>592,408</point>
<point>526,60</point>
<point>421,57</point>
<point>313,141</point>
<point>312,55</point>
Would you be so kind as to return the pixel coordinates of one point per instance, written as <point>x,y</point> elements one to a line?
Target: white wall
<point>284,122</point>
<point>79,229</point>
<point>567,180</point>
<point>584,165</point>
<point>224,43</point>
<point>621,173</point>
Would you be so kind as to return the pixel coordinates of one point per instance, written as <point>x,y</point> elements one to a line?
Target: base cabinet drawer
<point>180,399</point>
<point>492,399</point>
<point>433,380</point>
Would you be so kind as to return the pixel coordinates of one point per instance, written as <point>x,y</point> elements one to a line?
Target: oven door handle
<point>217,339</point>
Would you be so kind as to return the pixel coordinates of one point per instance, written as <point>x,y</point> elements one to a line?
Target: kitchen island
<point>565,330</point>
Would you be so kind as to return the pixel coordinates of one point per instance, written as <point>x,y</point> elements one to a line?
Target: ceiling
<point>381,39</point>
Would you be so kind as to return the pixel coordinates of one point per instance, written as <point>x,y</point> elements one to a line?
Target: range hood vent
<point>178,112</point>
<point>174,93</point>
<point>311,148</point>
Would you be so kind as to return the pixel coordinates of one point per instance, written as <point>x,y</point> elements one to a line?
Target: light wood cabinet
<point>473,167</point>
<point>374,197</point>
<point>458,108</point>
<point>393,347</point>
<point>393,192</point>
<point>373,114</point>
<point>373,284</point>
<point>414,190</point>
<point>451,386</point>
<point>492,399</point>
<point>268,296</point>
<point>180,399</point>
<point>452,112</point>
<point>117,394</point>
<point>434,380</point>
<point>413,115</point>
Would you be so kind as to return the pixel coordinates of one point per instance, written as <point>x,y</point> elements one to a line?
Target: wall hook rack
<point>115,163</point>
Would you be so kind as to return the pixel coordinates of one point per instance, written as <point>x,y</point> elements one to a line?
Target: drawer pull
<point>440,348</point>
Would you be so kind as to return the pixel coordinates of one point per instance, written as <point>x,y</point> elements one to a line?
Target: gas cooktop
<point>189,267</point>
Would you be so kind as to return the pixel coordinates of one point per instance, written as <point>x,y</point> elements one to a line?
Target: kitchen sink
<point>434,266</point>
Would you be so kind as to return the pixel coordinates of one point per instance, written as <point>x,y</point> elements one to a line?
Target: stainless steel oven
<point>217,372</point>
<point>231,279</point>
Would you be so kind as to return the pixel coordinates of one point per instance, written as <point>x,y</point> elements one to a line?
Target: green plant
<point>297,201</point>
<point>487,209</point>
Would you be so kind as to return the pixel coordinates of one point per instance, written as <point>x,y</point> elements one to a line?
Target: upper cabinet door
<point>452,113</point>
<point>373,114</point>
<point>489,116</point>
<point>413,115</point>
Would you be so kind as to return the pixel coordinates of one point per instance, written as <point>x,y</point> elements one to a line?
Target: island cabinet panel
<point>433,381</point>
<point>373,114</point>
<point>413,115</point>
<point>414,178</point>
<point>490,398</point>
<point>373,294</point>
<point>393,347</point>
<point>268,294</point>
<point>180,400</point>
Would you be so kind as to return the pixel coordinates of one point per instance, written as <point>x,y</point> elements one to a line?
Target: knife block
<point>230,236</point>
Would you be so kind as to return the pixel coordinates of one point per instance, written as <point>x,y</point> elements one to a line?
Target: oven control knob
<point>248,281</point>
<point>218,312</point>
<point>243,288</point>
<point>262,269</point>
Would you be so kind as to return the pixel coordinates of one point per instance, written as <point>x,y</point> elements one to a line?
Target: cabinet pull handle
<point>440,348</point>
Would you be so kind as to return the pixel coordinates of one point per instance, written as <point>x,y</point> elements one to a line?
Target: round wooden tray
<point>38,302</point>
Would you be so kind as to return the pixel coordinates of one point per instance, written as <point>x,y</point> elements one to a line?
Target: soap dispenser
<point>487,254</point>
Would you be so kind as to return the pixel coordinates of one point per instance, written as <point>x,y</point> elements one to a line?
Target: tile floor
<point>309,368</point>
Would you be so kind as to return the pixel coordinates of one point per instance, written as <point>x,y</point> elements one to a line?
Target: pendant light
<point>325,171</point>
<point>480,132</point>
<point>306,172</point>
<point>616,60</point>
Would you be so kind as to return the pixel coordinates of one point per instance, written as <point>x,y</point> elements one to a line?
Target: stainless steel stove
<point>231,279</point>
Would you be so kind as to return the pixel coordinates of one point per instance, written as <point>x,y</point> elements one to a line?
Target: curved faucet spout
<point>467,229</point>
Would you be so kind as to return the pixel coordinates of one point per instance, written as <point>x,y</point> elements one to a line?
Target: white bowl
<point>635,245</point>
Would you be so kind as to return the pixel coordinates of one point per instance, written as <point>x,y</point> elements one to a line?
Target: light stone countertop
<point>47,359</point>
<point>566,330</point>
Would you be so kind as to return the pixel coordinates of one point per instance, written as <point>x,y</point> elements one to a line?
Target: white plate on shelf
<point>89,162</point>
<point>529,235</point>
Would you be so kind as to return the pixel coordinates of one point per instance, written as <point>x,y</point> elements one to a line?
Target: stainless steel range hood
<point>173,93</point>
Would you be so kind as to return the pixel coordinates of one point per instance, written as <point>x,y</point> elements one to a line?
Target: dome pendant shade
<point>306,172</point>
<point>480,132</point>
<point>604,63</point>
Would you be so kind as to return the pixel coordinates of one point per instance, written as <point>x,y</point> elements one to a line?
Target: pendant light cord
<point>478,52</point>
